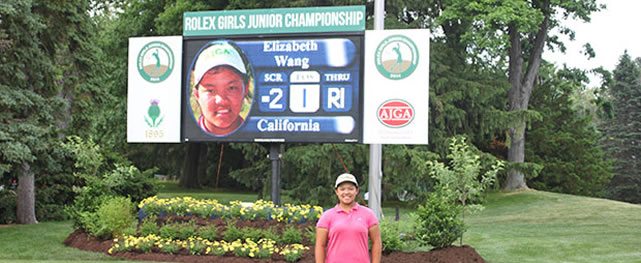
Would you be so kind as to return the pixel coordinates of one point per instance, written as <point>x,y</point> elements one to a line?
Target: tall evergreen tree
<point>565,142</point>
<point>624,131</point>
<point>28,99</point>
<point>46,88</point>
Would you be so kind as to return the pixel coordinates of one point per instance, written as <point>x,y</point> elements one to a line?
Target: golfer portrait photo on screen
<point>221,86</point>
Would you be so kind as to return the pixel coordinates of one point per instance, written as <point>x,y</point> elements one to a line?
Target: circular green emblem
<point>396,57</point>
<point>155,61</point>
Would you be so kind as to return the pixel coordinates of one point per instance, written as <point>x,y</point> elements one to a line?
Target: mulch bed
<point>464,254</point>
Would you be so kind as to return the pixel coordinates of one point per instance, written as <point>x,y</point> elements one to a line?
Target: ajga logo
<point>396,57</point>
<point>155,62</point>
<point>395,113</point>
<point>153,114</point>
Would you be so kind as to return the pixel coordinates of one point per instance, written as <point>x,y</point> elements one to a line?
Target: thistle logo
<point>155,62</point>
<point>395,113</point>
<point>153,112</point>
<point>396,57</point>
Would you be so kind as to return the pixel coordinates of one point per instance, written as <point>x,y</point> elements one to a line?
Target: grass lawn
<point>528,226</point>
<point>538,226</point>
<point>169,189</point>
<point>42,242</point>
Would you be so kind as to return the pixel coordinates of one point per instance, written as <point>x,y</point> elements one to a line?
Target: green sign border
<point>236,22</point>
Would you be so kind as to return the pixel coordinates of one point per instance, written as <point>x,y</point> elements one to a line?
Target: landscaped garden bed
<point>193,230</point>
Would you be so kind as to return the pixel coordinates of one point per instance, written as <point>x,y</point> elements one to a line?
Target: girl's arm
<point>321,243</point>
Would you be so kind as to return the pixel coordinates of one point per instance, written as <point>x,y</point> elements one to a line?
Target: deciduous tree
<point>509,35</point>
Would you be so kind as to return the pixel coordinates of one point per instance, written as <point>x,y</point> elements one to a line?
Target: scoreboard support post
<point>274,156</point>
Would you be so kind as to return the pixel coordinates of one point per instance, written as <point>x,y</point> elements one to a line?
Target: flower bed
<point>188,226</point>
<point>264,248</point>
<point>209,208</point>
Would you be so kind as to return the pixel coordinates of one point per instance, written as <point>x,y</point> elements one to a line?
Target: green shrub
<point>87,201</point>
<point>310,234</point>
<point>146,245</point>
<point>391,237</point>
<point>196,247</point>
<point>169,231</point>
<point>56,189</point>
<point>7,206</point>
<point>270,234</point>
<point>180,231</point>
<point>218,251</point>
<point>232,233</point>
<point>209,232</point>
<point>122,181</point>
<point>293,252</point>
<point>149,226</point>
<point>438,223</point>
<point>169,247</point>
<point>254,234</point>
<point>291,235</point>
<point>113,216</point>
<point>129,181</point>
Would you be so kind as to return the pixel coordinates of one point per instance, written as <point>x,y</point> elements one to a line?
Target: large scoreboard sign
<point>268,75</point>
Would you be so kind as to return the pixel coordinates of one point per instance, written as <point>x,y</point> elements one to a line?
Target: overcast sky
<point>610,32</point>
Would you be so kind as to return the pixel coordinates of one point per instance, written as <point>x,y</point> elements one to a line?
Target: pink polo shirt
<point>348,233</point>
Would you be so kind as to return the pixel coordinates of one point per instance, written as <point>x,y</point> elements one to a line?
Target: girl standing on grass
<point>342,232</point>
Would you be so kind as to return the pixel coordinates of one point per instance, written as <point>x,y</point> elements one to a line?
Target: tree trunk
<point>516,154</point>
<point>189,178</point>
<point>26,201</point>
<point>522,84</point>
<point>202,175</point>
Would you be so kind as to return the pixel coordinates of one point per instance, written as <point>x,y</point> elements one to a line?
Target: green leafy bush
<point>218,251</point>
<point>254,234</point>
<point>438,223</point>
<point>196,246</point>
<point>209,232</point>
<point>310,234</point>
<point>169,247</point>
<point>391,237</point>
<point>123,181</point>
<point>56,189</point>
<point>270,234</point>
<point>232,233</point>
<point>7,206</point>
<point>86,203</point>
<point>113,216</point>
<point>291,235</point>
<point>129,181</point>
<point>463,182</point>
<point>169,231</point>
<point>181,231</point>
<point>149,226</point>
<point>293,252</point>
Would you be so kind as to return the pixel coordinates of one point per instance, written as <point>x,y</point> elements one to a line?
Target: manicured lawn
<point>548,227</point>
<point>168,189</point>
<point>42,242</point>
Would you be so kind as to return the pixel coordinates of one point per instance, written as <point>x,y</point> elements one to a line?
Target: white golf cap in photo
<point>345,178</point>
<point>218,53</point>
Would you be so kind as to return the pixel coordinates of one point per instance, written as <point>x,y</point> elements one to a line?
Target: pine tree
<point>46,70</point>
<point>565,142</point>
<point>28,100</point>
<point>624,131</point>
